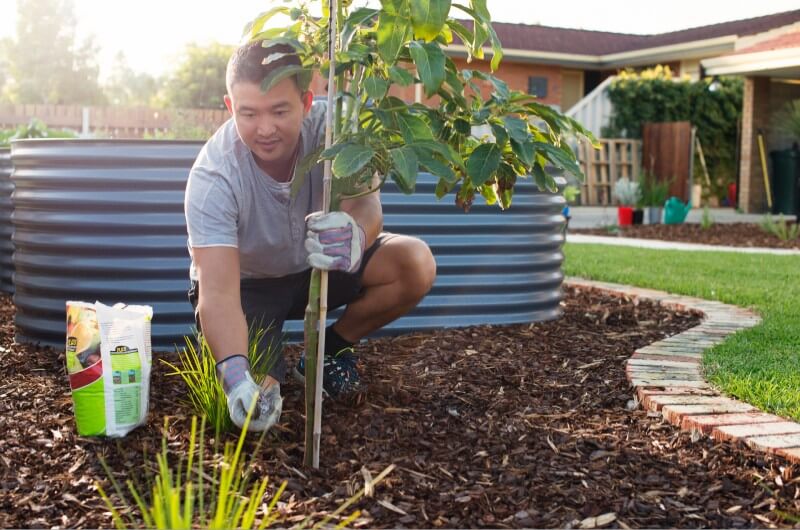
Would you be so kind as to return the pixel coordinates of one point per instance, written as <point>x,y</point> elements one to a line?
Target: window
<point>537,86</point>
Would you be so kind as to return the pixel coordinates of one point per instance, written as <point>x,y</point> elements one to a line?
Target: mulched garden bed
<point>491,426</point>
<point>730,234</point>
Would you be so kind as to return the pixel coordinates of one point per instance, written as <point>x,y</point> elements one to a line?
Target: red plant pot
<point>732,195</point>
<point>624,215</point>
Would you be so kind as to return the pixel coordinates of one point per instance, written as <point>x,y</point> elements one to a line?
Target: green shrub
<point>654,96</point>
<point>653,192</point>
<point>34,129</point>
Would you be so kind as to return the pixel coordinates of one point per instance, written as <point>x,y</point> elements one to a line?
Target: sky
<point>151,33</point>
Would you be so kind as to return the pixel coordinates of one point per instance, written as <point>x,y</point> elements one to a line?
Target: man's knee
<point>420,270</point>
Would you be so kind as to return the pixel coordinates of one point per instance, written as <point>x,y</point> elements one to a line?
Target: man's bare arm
<point>368,213</point>
<point>219,304</point>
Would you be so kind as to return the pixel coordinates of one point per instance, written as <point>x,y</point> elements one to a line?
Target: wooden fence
<point>113,122</point>
<point>667,153</point>
<point>616,158</point>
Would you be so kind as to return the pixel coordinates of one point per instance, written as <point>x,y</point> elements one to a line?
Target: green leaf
<point>281,73</point>
<point>462,126</point>
<point>289,41</point>
<point>483,162</point>
<point>442,188</point>
<point>430,60</point>
<point>302,168</point>
<point>376,87</point>
<point>352,159</point>
<point>524,151</point>
<point>428,17</point>
<point>394,7</point>
<point>544,181</point>
<point>406,166</point>
<point>489,193</point>
<point>400,75</point>
<point>413,128</point>
<point>332,151</point>
<point>463,33</point>
<point>353,22</point>
<point>500,134</point>
<point>255,26</point>
<point>445,150</point>
<point>436,167</point>
<point>392,34</point>
<point>560,159</point>
<point>517,128</point>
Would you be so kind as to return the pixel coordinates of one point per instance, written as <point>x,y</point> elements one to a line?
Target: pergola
<point>771,69</point>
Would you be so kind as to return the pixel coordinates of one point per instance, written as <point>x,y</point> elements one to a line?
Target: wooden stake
<point>323,275</point>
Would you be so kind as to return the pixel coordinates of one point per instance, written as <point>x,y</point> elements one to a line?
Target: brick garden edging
<point>667,376</point>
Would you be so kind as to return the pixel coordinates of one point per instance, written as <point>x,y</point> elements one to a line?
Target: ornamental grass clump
<point>780,228</point>
<point>197,367</point>
<point>190,496</point>
<point>220,492</point>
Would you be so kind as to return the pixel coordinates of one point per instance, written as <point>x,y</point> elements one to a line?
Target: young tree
<point>199,80</point>
<point>363,52</point>
<point>46,62</point>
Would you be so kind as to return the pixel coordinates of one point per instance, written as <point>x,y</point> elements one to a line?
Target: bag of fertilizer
<point>108,362</point>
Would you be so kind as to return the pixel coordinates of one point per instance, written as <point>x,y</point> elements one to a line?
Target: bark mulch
<point>730,234</point>
<point>490,426</point>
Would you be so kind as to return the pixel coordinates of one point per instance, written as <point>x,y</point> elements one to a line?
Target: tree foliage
<point>127,87</point>
<point>654,96</point>
<point>45,61</point>
<point>199,79</point>
<point>376,133</point>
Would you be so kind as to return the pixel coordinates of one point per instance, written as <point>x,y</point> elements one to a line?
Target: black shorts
<point>268,302</point>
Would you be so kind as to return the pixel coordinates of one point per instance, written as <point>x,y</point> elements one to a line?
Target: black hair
<point>247,62</point>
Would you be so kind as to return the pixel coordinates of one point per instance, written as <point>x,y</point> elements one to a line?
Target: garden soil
<point>490,426</point>
<point>729,234</point>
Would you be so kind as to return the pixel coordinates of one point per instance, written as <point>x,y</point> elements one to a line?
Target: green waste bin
<point>785,181</point>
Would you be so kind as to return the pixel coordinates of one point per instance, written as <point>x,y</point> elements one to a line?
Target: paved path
<point>598,216</point>
<point>667,377</point>
<point>674,245</point>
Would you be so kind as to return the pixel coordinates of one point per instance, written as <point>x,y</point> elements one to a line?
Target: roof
<point>787,40</point>
<point>578,41</point>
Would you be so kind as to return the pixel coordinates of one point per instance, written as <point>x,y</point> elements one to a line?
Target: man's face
<point>269,123</point>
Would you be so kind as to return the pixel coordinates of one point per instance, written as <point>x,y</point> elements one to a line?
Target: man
<point>252,243</point>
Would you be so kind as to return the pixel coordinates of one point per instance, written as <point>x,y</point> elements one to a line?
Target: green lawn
<point>760,365</point>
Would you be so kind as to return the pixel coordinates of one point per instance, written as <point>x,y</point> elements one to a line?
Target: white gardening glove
<point>241,390</point>
<point>334,241</point>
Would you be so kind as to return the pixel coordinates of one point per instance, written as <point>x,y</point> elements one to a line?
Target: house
<point>770,64</point>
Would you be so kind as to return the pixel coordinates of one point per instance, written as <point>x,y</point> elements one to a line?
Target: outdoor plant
<point>197,367</point>
<point>780,228</point>
<point>706,221</point>
<point>34,129</point>
<point>218,494</point>
<point>185,496</point>
<point>653,192</point>
<point>363,52</point>
<point>654,95</point>
<point>627,191</point>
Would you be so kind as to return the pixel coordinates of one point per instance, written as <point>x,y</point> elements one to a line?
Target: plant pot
<point>638,216</point>
<point>652,215</point>
<point>624,215</point>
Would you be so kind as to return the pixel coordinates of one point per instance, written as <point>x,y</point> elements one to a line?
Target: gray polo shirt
<point>231,202</point>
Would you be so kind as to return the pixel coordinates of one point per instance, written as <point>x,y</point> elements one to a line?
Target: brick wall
<point>755,117</point>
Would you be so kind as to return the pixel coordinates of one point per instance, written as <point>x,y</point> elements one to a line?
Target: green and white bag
<point>109,359</point>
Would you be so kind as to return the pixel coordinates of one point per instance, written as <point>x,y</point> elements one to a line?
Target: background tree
<point>199,80</point>
<point>46,62</point>
<point>127,87</point>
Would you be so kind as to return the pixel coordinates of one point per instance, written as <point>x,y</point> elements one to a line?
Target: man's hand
<point>335,242</point>
<point>242,391</point>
